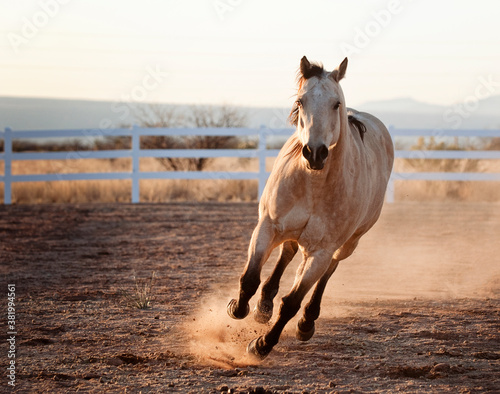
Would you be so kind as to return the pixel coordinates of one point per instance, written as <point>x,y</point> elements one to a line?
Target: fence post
<point>7,154</point>
<point>136,148</point>
<point>262,161</point>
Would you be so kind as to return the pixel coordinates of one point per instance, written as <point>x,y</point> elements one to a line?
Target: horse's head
<point>318,110</point>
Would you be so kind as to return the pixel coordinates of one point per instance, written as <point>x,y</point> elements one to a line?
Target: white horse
<point>325,191</point>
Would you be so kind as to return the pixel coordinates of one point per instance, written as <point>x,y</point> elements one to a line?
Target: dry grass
<point>449,190</point>
<point>141,295</point>
<point>471,191</point>
<point>120,190</point>
<point>222,190</point>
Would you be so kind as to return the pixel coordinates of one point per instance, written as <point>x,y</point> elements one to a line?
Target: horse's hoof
<point>263,311</point>
<point>304,335</point>
<point>233,312</point>
<point>255,350</point>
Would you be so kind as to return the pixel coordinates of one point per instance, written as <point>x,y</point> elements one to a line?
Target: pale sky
<point>246,52</point>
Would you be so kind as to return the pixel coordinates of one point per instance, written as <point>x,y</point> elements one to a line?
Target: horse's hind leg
<point>305,327</point>
<point>264,308</point>
<point>261,246</point>
<point>308,273</point>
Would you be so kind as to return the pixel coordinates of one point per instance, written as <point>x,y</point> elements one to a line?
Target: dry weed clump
<point>142,294</point>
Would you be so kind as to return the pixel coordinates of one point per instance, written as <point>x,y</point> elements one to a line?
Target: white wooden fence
<point>442,154</point>
<point>261,153</point>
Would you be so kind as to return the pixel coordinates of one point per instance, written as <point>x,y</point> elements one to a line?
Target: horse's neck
<point>343,150</point>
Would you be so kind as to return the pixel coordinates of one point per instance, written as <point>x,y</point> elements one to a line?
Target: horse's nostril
<point>323,152</point>
<point>307,152</point>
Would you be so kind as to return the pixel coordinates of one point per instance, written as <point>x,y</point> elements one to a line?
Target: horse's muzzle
<point>315,157</point>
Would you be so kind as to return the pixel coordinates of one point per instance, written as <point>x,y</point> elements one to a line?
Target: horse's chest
<point>314,232</point>
<point>301,224</point>
<point>291,224</point>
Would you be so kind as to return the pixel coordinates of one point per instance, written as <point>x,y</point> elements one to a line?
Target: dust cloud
<point>219,340</point>
<point>415,251</point>
<point>426,250</point>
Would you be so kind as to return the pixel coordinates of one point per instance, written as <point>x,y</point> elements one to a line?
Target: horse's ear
<point>305,66</point>
<point>339,72</point>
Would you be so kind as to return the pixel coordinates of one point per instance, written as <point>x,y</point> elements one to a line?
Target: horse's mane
<point>296,148</point>
<point>359,125</point>
<point>293,118</point>
<point>316,70</point>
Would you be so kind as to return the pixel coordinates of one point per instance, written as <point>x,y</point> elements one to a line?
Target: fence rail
<point>442,154</point>
<point>261,153</point>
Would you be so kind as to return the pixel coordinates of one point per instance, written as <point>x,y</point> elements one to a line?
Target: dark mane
<point>315,70</point>
<point>360,126</point>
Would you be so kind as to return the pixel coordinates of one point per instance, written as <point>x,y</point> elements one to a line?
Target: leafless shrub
<point>454,189</point>
<point>111,143</point>
<point>493,144</point>
<point>154,115</point>
<point>445,165</point>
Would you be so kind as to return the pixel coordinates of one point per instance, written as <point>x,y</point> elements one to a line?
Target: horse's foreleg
<point>261,245</point>
<point>309,272</point>
<point>264,308</point>
<point>305,327</point>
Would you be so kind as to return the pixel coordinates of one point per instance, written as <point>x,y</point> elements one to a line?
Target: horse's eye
<point>299,103</point>
<point>336,105</point>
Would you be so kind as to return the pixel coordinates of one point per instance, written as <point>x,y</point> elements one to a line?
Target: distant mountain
<point>401,105</point>
<point>490,106</point>
<point>410,113</point>
<point>39,113</point>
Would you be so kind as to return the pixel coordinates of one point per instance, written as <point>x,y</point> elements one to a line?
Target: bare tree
<point>158,115</point>
<point>223,116</point>
<point>493,144</point>
<point>154,115</point>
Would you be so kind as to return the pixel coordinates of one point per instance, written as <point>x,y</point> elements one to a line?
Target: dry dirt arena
<point>415,309</point>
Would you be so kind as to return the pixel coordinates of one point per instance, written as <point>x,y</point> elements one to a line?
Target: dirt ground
<point>415,309</point>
